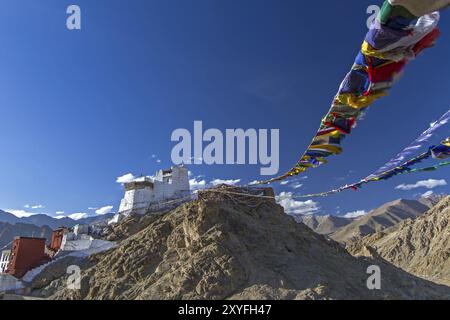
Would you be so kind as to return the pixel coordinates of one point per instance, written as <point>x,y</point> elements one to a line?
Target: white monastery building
<point>145,193</point>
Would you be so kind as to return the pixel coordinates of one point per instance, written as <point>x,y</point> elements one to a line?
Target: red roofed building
<point>57,237</point>
<point>26,254</point>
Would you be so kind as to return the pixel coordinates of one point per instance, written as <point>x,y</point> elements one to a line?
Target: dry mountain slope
<point>324,224</point>
<point>420,246</point>
<point>432,200</point>
<point>379,219</point>
<point>219,247</point>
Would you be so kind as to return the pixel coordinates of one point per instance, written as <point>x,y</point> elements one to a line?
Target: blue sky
<point>80,108</point>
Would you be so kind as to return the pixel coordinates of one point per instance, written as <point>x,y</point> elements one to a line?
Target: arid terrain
<point>221,247</point>
<point>419,246</point>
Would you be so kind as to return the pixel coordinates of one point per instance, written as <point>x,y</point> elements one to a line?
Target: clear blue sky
<point>80,108</point>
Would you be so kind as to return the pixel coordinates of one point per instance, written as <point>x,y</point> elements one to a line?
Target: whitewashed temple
<point>153,193</point>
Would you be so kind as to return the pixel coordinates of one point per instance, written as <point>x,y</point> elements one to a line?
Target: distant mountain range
<point>9,231</point>
<point>45,220</point>
<point>39,225</point>
<point>344,229</point>
<point>379,219</point>
<point>324,224</point>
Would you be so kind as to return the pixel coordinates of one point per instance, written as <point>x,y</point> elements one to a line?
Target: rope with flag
<point>441,151</point>
<point>402,30</point>
<point>416,144</point>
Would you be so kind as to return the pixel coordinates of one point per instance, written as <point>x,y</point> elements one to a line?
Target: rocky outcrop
<point>420,246</point>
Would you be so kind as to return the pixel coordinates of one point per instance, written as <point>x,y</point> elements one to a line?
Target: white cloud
<point>293,182</point>
<point>59,212</point>
<point>20,213</point>
<point>126,178</point>
<point>429,184</point>
<point>92,208</point>
<point>34,206</point>
<point>158,161</point>
<point>60,217</point>
<point>231,182</point>
<point>104,210</point>
<point>427,194</point>
<point>78,215</point>
<point>154,156</point>
<point>197,184</point>
<point>296,185</point>
<point>295,207</point>
<point>355,214</point>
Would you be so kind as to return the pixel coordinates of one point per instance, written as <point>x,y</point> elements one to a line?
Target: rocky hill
<point>324,224</point>
<point>420,246</point>
<point>379,219</point>
<point>223,246</point>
